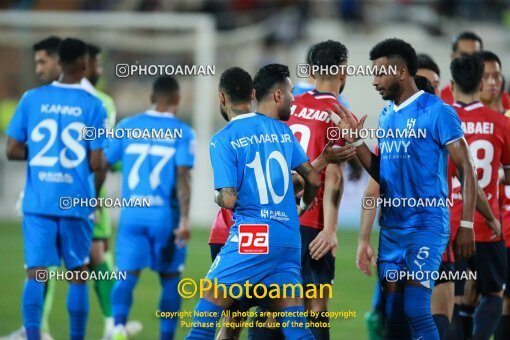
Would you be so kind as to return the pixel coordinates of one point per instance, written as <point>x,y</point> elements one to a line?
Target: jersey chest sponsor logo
<point>308,113</point>
<point>74,111</point>
<point>253,239</point>
<point>400,146</point>
<point>486,128</point>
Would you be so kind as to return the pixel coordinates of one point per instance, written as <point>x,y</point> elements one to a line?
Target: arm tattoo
<point>224,194</point>
<point>303,169</point>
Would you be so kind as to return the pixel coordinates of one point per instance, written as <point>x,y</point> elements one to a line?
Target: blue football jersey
<point>255,154</point>
<point>50,119</point>
<point>413,161</point>
<point>149,166</point>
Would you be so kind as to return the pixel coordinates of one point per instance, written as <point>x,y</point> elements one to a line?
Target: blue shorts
<point>282,265</point>
<point>410,254</point>
<point>138,247</point>
<point>48,239</point>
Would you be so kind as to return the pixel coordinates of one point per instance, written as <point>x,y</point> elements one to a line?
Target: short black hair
<point>328,53</point>
<point>394,47</point>
<point>424,84</point>
<point>467,72</point>
<point>50,45</point>
<point>426,62</point>
<point>267,77</point>
<point>489,56</point>
<point>165,86</point>
<point>237,84</point>
<point>466,35</point>
<point>71,49</point>
<point>93,50</point>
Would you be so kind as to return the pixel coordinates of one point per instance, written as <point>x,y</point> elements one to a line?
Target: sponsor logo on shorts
<point>253,239</point>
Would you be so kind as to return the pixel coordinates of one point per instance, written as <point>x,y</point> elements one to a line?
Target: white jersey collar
<point>243,116</point>
<point>408,101</point>
<point>68,86</point>
<point>152,112</point>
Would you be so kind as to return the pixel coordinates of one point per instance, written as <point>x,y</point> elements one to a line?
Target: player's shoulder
<point>36,92</point>
<point>186,129</point>
<point>303,97</point>
<point>434,105</point>
<point>236,124</point>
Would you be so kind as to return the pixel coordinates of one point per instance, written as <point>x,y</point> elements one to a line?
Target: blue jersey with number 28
<point>255,154</point>
<point>50,120</point>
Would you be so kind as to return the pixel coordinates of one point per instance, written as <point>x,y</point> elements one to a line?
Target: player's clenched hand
<point>465,243</point>
<point>335,154</point>
<point>182,233</point>
<point>495,226</point>
<point>324,241</point>
<point>348,121</point>
<point>365,256</point>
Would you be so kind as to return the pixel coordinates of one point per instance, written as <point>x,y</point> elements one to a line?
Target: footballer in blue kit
<point>157,170</point>
<point>47,131</point>
<point>420,133</point>
<point>252,158</point>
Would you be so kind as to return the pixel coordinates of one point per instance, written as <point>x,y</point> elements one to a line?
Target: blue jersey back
<point>51,119</point>
<point>255,154</point>
<point>414,163</point>
<point>149,166</point>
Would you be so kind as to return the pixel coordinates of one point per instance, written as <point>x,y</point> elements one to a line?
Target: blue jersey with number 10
<point>149,166</point>
<point>255,154</point>
<point>51,120</point>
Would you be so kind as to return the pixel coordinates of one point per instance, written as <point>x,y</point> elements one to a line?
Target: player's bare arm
<point>98,165</point>
<point>461,157</point>
<point>365,254</point>
<point>226,197</point>
<point>330,155</point>
<point>16,150</point>
<point>327,240</point>
<point>333,155</point>
<point>182,233</point>
<point>311,186</point>
<point>348,122</point>
<point>483,207</point>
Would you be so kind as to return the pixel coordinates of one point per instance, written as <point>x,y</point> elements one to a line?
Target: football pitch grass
<point>352,290</point>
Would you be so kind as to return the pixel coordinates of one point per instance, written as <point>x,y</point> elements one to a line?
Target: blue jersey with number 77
<point>149,165</point>
<point>50,119</point>
<point>255,154</point>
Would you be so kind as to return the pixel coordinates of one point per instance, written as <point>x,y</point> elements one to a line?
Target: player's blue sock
<point>486,318</point>
<point>122,298</point>
<point>32,305</point>
<point>201,333</point>
<point>78,308</point>
<point>442,324</point>
<point>397,326</point>
<point>417,309</point>
<point>294,332</point>
<point>170,301</point>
